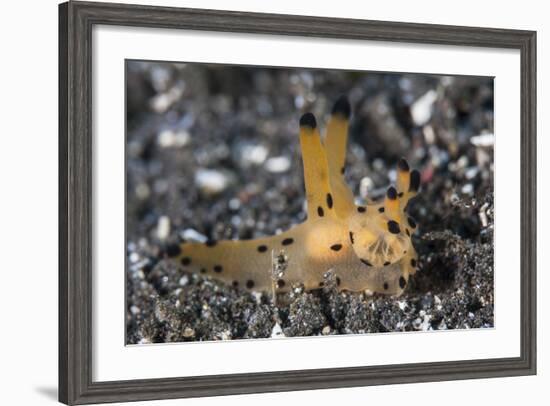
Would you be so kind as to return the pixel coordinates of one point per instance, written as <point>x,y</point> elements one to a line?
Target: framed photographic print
<point>259,202</point>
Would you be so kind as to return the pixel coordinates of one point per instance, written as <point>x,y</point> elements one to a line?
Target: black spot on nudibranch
<point>203,270</point>
<point>262,248</point>
<point>413,262</point>
<point>336,247</point>
<point>320,211</point>
<point>329,200</point>
<point>391,193</point>
<point>402,282</point>
<point>211,243</point>
<point>361,209</point>
<point>351,237</point>
<point>250,284</point>
<point>403,165</point>
<point>381,209</point>
<point>185,261</point>
<point>308,120</point>
<point>338,281</point>
<point>235,284</point>
<point>287,241</point>
<point>281,283</point>
<point>411,221</point>
<point>393,227</point>
<point>342,107</point>
<point>343,170</point>
<point>400,194</point>
<point>407,232</point>
<point>218,268</point>
<point>173,250</point>
<point>367,263</point>
<point>387,263</point>
<point>414,182</point>
<point>386,286</point>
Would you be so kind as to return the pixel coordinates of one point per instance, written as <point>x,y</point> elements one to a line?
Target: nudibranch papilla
<point>366,247</point>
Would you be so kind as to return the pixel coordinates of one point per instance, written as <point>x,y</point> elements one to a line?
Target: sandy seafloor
<point>213,152</point>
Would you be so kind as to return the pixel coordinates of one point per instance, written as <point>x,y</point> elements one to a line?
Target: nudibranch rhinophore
<point>366,247</point>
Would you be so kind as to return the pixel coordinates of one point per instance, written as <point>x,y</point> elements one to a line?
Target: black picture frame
<point>76,20</point>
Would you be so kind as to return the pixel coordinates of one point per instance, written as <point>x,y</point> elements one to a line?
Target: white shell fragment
<point>190,234</point>
<point>253,155</point>
<point>163,227</point>
<point>277,331</point>
<point>421,109</point>
<point>171,138</point>
<point>277,164</point>
<point>483,140</point>
<point>211,181</point>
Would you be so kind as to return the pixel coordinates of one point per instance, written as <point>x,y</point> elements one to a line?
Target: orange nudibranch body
<point>365,247</point>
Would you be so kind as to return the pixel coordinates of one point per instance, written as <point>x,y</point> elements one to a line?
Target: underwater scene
<point>266,202</point>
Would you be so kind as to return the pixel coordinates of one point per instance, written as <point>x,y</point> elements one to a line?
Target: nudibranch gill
<point>366,247</point>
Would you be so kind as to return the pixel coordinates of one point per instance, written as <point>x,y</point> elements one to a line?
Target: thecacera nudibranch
<point>366,247</point>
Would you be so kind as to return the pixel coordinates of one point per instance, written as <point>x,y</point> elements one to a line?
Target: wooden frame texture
<point>76,20</point>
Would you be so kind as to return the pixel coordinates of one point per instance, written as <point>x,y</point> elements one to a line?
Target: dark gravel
<point>213,152</point>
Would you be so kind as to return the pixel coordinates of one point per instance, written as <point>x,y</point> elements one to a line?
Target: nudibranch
<point>366,247</point>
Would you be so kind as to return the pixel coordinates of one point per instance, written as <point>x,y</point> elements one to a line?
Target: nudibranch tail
<point>366,247</point>
<point>243,264</point>
<point>248,264</point>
